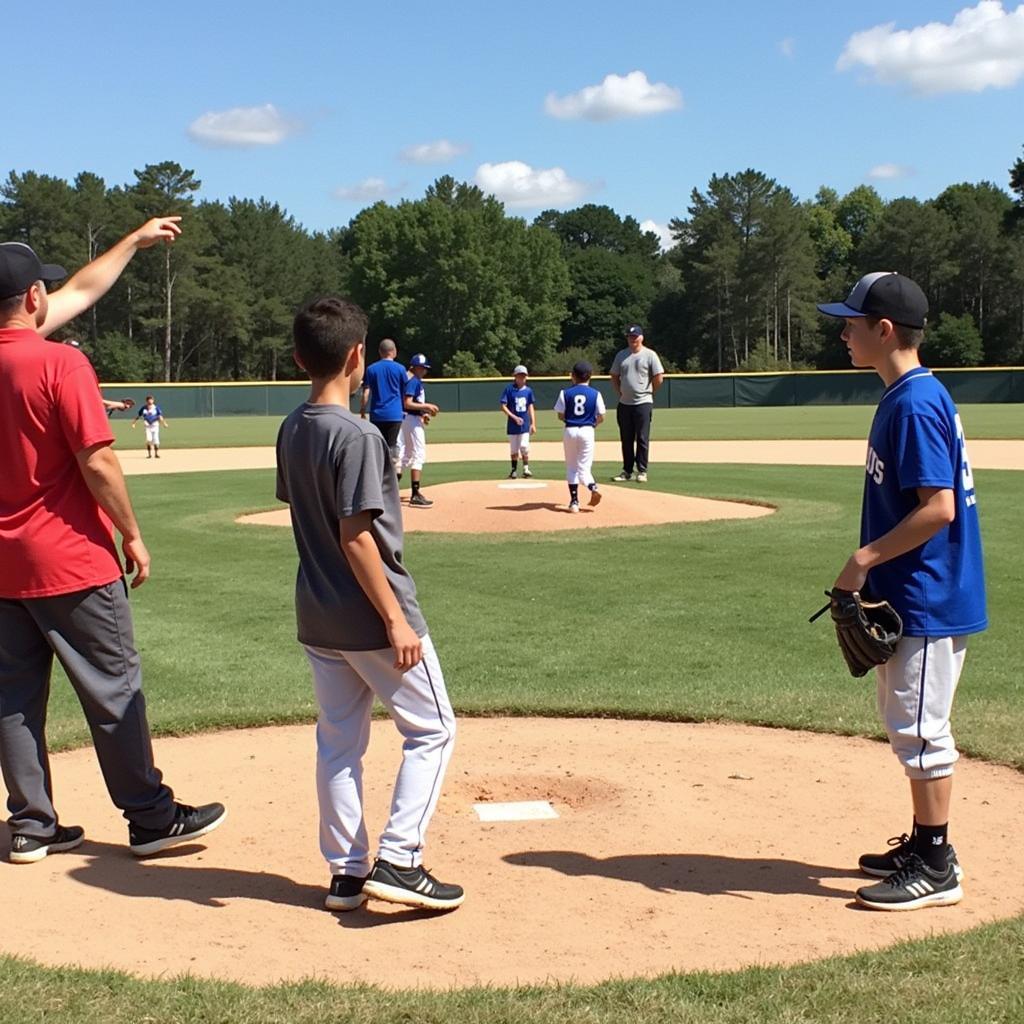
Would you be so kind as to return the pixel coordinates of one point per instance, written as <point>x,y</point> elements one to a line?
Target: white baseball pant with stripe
<point>346,683</point>
<point>578,444</point>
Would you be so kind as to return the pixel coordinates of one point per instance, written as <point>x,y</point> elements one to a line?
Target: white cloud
<point>617,96</point>
<point>983,47</point>
<point>887,172</point>
<point>243,126</point>
<point>369,190</point>
<point>665,239</point>
<point>787,46</point>
<point>439,152</point>
<point>520,185</point>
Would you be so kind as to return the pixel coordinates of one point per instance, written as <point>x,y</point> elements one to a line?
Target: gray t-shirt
<point>332,465</point>
<point>635,370</point>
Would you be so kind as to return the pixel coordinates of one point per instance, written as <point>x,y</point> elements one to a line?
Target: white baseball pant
<point>519,443</point>
<point>578,444</point>
<point>414,443</point>
<point>916,687</point>
<point>346,683</point>
<point>153,434</point>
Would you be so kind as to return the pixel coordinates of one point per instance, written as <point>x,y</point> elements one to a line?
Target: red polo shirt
<point>54,538</point>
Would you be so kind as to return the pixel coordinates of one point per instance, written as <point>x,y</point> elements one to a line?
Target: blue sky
<point>318,105</point>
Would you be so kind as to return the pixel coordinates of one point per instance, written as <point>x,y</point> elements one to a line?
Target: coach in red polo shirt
<point>62,586</point>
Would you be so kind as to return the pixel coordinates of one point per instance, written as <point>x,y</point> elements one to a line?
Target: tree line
<point>453,275</point>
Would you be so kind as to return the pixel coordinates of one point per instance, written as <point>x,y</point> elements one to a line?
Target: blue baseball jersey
<point>151,416</point>
<point>386,381</point>
<point>917,440</point>
<point>414,389</point>
<point>581,405</point>
<point>518,401</point>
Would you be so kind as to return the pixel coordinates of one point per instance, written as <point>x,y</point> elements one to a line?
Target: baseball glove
<point>129,403</point>
<point>867,631</point>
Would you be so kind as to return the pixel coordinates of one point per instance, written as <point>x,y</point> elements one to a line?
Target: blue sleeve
<point>924,452</point>
<point>505,397</point>
<point>412,386</point>
<point>529,398</point>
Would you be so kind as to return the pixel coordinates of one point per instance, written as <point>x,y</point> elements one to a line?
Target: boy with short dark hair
<point>921,551</point>
<point>359,622</point>
<point>581,408</point>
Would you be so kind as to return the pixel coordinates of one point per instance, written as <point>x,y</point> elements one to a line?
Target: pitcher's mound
<point>510,506</point>
<point>622,849</point>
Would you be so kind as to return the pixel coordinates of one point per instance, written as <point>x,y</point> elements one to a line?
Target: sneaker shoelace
<point>899,841</point>
<point>913,866</point>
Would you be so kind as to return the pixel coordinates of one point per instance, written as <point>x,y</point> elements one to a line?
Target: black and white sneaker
<point>420,501</point>
<point>29,849</point>
<point>882,865</point>
<point>346,892</point>
<point>512,475</point>
<point>914,886</point>
<point>188,823</point>
<point>413,887</point>
<point>622,477</point>
<point>526,471</point>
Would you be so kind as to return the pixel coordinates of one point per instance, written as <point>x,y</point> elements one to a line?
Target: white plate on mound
<point>526,485</point>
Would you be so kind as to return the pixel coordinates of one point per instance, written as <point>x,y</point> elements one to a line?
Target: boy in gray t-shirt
<point>360,623</point>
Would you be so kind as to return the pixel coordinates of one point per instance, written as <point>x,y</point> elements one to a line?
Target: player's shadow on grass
<point>112,868</point>
<point>535,506</point>
<point>704,874</point>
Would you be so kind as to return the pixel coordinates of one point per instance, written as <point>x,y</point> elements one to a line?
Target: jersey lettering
<point>521,404</point>
<point>875,466</point>
<point>579,405</point>
<point>965,465</point>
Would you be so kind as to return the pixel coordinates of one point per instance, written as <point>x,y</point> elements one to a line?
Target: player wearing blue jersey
<point>921,551</point>
<point>517,403</point>
<point>153,416</point>
<point>383,392</point>
<point>581,409</point>
<point>417,415</point>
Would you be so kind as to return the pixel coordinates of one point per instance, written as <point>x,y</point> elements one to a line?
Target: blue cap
<point>582,370</point>
<point>635,331</point>
<point>419,360</point>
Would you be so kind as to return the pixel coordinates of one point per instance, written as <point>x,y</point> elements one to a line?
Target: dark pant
<point>91,633</point>
<point>635,433</point>
<point>390,429</point>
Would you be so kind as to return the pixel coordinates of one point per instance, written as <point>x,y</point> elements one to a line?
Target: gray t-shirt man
<point>332,465</point>
<point>636,371</point>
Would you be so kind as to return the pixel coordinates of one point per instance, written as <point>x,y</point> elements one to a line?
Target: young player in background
<point>580,408</point>
<point>414,438</point>
<point>517,403</point>
<point>153,416</point>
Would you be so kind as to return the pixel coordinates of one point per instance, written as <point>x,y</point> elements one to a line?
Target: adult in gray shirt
<point>636,374</point>
<point>360,622</point>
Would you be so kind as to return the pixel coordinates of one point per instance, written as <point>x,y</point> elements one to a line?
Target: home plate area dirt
<point>672,847</point>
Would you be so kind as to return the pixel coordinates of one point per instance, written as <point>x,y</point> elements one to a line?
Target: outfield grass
<point>685,622</point>
<point>809,421</point>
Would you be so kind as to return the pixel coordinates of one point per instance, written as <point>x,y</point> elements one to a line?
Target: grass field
<point>809,421</point>
<point>673,621</point>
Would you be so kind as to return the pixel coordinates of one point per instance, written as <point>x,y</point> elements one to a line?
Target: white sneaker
<point>641,478</point>
<point>526,471</point>
<point>622,477</point>
<point>574,506</point>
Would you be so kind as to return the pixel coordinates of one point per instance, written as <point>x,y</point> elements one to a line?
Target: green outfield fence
<point>817,387</point>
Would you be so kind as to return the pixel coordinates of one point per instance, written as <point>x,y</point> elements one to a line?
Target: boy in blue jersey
<point>153,416</point>
<point>921,551</point>
<point>383,391</point>
<point>414,439</point>
<point>518,405</point>
<point>580,408</point>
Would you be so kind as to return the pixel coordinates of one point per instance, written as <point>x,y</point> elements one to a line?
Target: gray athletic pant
<point>90,631</point>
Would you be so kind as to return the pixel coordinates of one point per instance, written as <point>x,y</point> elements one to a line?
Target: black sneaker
<point>188,823</point>
<point>413,887</point>
<point>882,865</point>
<point>346,892</point>
<point>914,886</point>
<point>419,501</point>
<point>28,849</point>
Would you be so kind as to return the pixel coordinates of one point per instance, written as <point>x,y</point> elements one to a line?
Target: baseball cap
<point>635,331</point>
<point>520,369</point>
<point>419,360</point>
<point>581,369</point>
<point>883,294</point>
<point>21,267</point>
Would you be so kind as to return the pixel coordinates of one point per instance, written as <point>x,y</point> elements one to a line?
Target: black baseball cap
<point>634,331</point>
<point>582,370</point>
<point>20,268</point>
<point>883,294</point>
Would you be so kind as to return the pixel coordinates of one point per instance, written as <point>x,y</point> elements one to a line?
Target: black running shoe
<point>914,886</point>
<point>420,501</point>
<point>28,849</point>
<point>346,892</point>
<point>882,865</point>
<point>188,823</point>
<point>413,887</point>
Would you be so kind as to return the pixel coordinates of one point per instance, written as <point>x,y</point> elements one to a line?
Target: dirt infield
<point>985,454</point>
<point>676,848</point>
<point>507,506</point>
